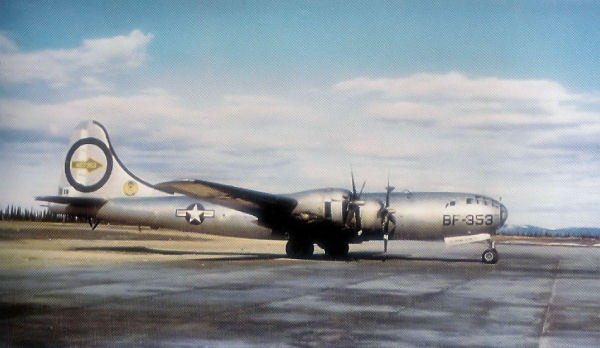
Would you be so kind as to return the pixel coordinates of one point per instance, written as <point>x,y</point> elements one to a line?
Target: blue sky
<point>314,40</point>
<point>497,97</point>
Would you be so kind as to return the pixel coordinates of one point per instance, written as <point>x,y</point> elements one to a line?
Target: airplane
<point>96,185</point>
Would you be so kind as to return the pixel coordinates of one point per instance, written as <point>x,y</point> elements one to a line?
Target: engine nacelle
<point>370,215</point>
<point>321,205</point>
<point>331,205</point>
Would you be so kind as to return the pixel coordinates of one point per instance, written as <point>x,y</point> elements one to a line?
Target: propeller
<point>354,204</point>
<point>387,215</point>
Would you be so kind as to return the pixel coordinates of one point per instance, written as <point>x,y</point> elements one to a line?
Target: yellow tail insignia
<point>130,188</point>
<point>90,165</point>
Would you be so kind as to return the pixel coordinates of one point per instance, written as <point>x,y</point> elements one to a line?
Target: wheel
<point>490,256</point>
<point>337,250</point>
<point>308,250</point>
<point>296,249</point>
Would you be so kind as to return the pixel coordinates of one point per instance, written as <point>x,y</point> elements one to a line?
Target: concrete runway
<point>216,291</point>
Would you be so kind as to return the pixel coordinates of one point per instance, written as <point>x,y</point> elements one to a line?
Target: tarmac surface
<point>67,286</point>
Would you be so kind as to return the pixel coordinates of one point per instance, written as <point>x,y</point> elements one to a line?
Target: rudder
<point>92,168</point>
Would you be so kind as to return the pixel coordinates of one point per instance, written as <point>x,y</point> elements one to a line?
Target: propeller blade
<point>385,242</point>
<point>387,199</point>
<point>361,189</point>
<point>349,215</point>
<point>392,219</point>
<point>353,184</point>
<point>388,190</point>
<point>353,208</point>
<point>353,213</point>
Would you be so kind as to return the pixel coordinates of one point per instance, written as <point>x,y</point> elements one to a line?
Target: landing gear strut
<point>490,255</point>
<point>93,223</point>
<point>299,249</point>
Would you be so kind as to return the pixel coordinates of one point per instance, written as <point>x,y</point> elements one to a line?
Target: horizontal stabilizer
<point>78,201</point>
<point>473,238</point>
<point>248,201</point>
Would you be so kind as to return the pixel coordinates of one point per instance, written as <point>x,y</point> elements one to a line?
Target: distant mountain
<point>535,231</point>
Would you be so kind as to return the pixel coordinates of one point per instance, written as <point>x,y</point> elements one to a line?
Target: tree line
<point>16,213</point>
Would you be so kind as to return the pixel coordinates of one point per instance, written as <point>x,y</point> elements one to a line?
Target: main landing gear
<point>304,249</point>
<point>336,250</point>
<point>299,249</point>
<point>490,255</point>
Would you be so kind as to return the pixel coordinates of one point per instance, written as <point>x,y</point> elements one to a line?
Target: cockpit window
<point>452,203</point>
<point>469,200</point>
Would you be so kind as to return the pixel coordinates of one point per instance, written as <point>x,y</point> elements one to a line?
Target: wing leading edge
<point>259,204</point>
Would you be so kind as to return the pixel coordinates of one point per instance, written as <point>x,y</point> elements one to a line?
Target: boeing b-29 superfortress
<point>95,184</point>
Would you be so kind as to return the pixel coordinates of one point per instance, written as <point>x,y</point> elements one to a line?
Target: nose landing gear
<point>490,255</point>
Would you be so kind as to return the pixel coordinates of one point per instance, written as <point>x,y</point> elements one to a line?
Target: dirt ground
<point>32,245</point>
<point>27,245</point>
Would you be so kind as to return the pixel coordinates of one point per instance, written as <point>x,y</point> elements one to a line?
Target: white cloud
<point>456,86</point>
<point>90,83</point>
<point>532,141</point>
<point>60,68</point>
<point>454,100</point>
<point>255,107</point>
<point>19,114</point>
<point>534,150</point>
<point>6,45</point>
<point>157,111</point>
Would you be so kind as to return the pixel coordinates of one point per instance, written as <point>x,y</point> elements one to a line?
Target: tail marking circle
<point>88,165</point>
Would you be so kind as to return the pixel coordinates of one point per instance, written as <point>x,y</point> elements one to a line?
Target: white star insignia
<point>195,214</point>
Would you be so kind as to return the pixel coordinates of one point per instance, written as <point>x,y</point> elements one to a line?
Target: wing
<point>260,204</point>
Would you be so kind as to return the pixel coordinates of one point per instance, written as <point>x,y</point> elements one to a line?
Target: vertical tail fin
<point>92,168</point>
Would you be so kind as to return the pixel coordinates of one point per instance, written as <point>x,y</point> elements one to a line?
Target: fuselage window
<point>452,203</point>
<point>469,200</point>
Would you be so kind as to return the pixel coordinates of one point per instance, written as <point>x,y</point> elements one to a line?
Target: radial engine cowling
<point>370,213</point>
<point>321,205</point>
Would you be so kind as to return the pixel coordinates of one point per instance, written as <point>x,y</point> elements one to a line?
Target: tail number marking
<point>478,220</point>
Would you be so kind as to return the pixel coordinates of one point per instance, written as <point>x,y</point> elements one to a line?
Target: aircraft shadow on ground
<point>385,257</point>
<point>245,256</point>
<point>146,250</point>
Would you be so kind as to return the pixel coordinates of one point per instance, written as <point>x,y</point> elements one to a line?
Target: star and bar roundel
<point>195,213</point>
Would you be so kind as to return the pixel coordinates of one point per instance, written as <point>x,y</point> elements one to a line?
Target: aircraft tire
<point>489,256</point>
<point>299,249</point>
<point>337,250</point>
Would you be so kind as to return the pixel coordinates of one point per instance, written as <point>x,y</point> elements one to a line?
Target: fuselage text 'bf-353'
<point>95,184</point>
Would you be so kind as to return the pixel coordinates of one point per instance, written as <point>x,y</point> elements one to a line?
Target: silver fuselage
<point>437,215</point>
<point>419,215</point>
